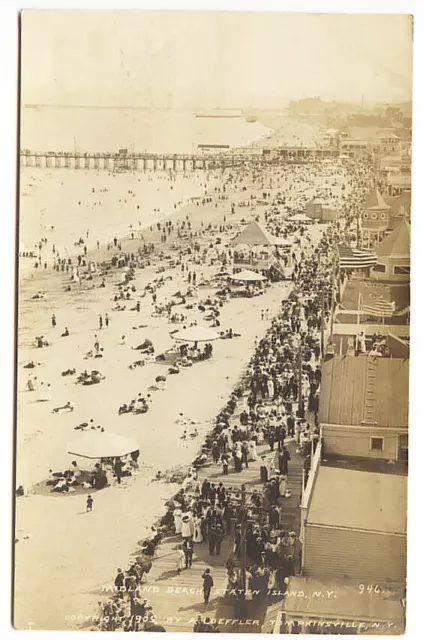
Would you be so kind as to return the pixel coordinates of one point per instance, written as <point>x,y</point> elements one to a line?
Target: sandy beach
<point>97,541</point>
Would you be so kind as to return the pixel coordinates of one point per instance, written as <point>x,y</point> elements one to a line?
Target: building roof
<point>254,234</point>
<point>395,222</point>
<point>346,386</point>
<point>376,202</point>
<point>397,244</point>
<point>347,601</point>
<point>359,500</point>
<point>388,135</point>
<point>401,204</point>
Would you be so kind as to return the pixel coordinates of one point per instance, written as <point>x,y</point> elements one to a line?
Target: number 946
<point>369,588</point>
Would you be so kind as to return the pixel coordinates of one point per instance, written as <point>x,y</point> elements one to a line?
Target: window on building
<point>402,270</point>
<point>403,447</point>
<point>381,268</point>
<point>377,444</point>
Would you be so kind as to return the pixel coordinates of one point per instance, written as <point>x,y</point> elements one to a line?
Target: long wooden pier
<point>165,162</point>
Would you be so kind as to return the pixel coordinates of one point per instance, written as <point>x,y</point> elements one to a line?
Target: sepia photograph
<point>213,321</point>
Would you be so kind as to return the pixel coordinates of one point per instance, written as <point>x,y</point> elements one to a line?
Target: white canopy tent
<point>248,276</point>
<point>102,444</point>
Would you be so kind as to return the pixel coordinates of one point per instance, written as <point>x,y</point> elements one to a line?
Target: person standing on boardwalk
<point>119,583</point>
<point>212,539</point>
<point>224,460</point>
<point>285,462</point>
<point>188,548</point>
<point>207,585</point>
<point>180,559</point>
<point>219,534</point>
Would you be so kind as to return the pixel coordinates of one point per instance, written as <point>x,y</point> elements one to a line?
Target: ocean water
<point>108,129</point>
<point>63,204</point>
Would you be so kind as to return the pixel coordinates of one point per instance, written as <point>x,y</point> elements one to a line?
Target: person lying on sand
<point>32,365</point>
<point>137,363</point>
<point>85,425</point>
<point>69,372</point>
<point>145,347</point>
<point>69,406</point>
<point>228,334</point>
<point>94,377</point>
<point>174,369</point>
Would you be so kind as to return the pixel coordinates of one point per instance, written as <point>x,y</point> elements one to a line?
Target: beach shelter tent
<point>393,255</point>
<point>248,276</point>
<point>196,334</point>
<point>254,234</point>
<point>102,444</point>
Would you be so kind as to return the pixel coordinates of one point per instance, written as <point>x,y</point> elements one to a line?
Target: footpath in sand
<point>55,537</point>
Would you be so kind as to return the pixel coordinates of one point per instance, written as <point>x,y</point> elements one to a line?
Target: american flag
<point>355,258</point>
<point>380,308</point>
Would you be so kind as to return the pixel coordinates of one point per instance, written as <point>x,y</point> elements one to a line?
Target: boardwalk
<point>177,600</point>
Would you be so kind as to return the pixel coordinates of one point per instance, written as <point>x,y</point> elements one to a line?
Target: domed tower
<point>375,217</point>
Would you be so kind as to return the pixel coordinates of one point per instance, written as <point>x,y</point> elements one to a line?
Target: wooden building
<point>316,210</point>
<point>356,527</point>
<point>363,409</point>
<point>354,148</point>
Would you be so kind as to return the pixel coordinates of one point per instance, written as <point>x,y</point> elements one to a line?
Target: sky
<point>181,59</point>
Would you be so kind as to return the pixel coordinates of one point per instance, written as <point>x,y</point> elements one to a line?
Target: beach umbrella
<point>300,217</point>
<point>248,276</point>
<point>196,334</point>
<point>102,444</point>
